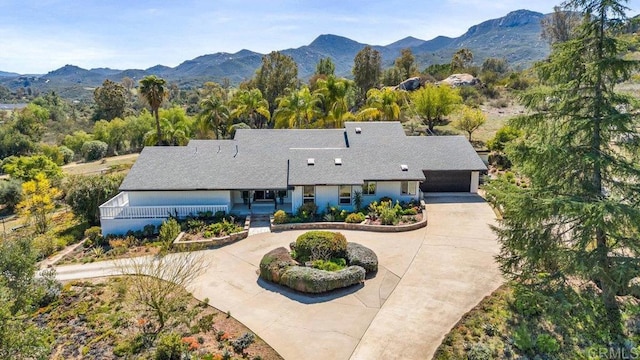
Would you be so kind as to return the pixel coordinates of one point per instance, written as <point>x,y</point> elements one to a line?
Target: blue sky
<point>38,36</point>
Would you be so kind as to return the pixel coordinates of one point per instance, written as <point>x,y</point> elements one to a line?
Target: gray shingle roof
<point>272,159</point>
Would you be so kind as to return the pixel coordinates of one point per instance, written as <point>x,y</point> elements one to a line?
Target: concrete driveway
<point>428,279</point>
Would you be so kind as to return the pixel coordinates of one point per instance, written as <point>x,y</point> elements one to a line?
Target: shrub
<point>547,344</point>
<point>479,351</point>
<point>280,217</point>
<point>410,211</point>
<point>94,150</point>
<point>385,199</point>
<point>67,154</point>
<point>169,230</point>
<point>307,211</point>
<point>388,214</point>
<point>10,193</point>
<point>334,264</point>
<point>94,236</point>
<point>503,136</point>
<point>242,343</point>
<point>355,218</point>
<point>170,347</point>
<point>313,245</point>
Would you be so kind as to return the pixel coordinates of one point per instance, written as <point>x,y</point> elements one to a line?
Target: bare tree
<point>560,25</point>
<point>157,285</point>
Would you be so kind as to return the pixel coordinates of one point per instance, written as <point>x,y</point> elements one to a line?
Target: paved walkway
<point>427,280</point>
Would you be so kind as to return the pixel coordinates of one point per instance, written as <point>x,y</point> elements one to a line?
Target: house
<point>260,171</point>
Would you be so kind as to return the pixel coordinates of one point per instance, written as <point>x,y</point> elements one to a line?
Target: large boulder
<point>410,84</point>
<point>461,80</point>
<point>362,256</point>
<point>275,263</point>
<point>315,281</point>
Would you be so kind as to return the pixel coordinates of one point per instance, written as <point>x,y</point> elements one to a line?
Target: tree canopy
<point>578,220</point>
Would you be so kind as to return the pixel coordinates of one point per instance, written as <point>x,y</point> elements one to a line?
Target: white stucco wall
<point>475,180</point>
<point>122,226</point>
<point>329,194</point>
<point>392,189</point>
<point>198,197</point>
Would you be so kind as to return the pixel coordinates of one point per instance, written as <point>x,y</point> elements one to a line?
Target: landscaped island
<point>319,261</point>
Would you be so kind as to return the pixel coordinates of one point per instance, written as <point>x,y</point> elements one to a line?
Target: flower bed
<point>197,240</point>
<point>383,216</point>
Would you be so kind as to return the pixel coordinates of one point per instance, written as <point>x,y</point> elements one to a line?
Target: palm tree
<point>250,104</point>
<point>214,115</point>
<point>176,127</point>
<point>334,94</point>
<point>381,105</point>
<point>153,92</point>
<point>297,110</point>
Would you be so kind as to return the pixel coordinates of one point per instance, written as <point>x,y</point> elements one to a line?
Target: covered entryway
<point>446,181</point>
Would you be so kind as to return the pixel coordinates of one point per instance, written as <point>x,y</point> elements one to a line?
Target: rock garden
<point>319,261</point>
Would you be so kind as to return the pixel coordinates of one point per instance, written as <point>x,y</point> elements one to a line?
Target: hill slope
<point>515,37</point>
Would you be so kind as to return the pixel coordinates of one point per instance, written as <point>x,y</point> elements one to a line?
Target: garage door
<point>446,181</point>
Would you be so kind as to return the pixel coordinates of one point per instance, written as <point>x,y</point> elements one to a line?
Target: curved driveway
<point>428,279</point>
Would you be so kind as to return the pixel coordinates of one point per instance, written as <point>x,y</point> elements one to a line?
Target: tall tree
<point>367,68</point>
<point>39,197</point>
<point>382,104</point>
<point>433,102</point>
<point>277,75</point>
<point>336,97</point>
<point>406,62</point>
<point>579,218</point>
<point>153,92</point>
<point>326,67</point>
<point>110,99</point>
<point>249,105</point>
<point>84,194</point>
<point>560,25</point>
<point>214,115</point>
<point>470,120</point>
<point>461,60</point>
<point>298,110</point>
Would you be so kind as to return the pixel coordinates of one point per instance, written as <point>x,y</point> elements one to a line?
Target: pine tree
<point>578,219</point>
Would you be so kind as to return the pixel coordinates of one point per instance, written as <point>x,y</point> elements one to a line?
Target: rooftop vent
<point>404,167</point>
<point>358,130</point>
<point>338,161</point>
<point>311,161</point>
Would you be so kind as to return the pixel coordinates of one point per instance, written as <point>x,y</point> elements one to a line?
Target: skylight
<point>358,130</point>
<point>311,161</point>
<point>338,161</point>
<point>404,167</point>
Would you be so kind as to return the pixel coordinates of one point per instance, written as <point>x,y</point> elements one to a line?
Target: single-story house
<point>261,170</point>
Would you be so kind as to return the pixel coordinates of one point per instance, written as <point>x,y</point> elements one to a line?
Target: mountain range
<point>514,37</point>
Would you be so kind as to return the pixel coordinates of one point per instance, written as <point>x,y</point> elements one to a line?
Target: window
<point>345,194</point>
<point>408,187</point>
<point>308,194</point>
<point>369,188</point>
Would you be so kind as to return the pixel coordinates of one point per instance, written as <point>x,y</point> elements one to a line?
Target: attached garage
<point>446,181</point>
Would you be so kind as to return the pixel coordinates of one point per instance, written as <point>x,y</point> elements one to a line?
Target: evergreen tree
<point>578,219</point>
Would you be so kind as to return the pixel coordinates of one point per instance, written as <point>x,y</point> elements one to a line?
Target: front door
<point>264,195</point>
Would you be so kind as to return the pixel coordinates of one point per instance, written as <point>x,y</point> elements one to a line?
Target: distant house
<point>263,170</point>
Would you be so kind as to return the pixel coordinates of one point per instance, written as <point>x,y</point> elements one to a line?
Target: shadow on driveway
<point>451,198</point>
<point>308,298</point>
